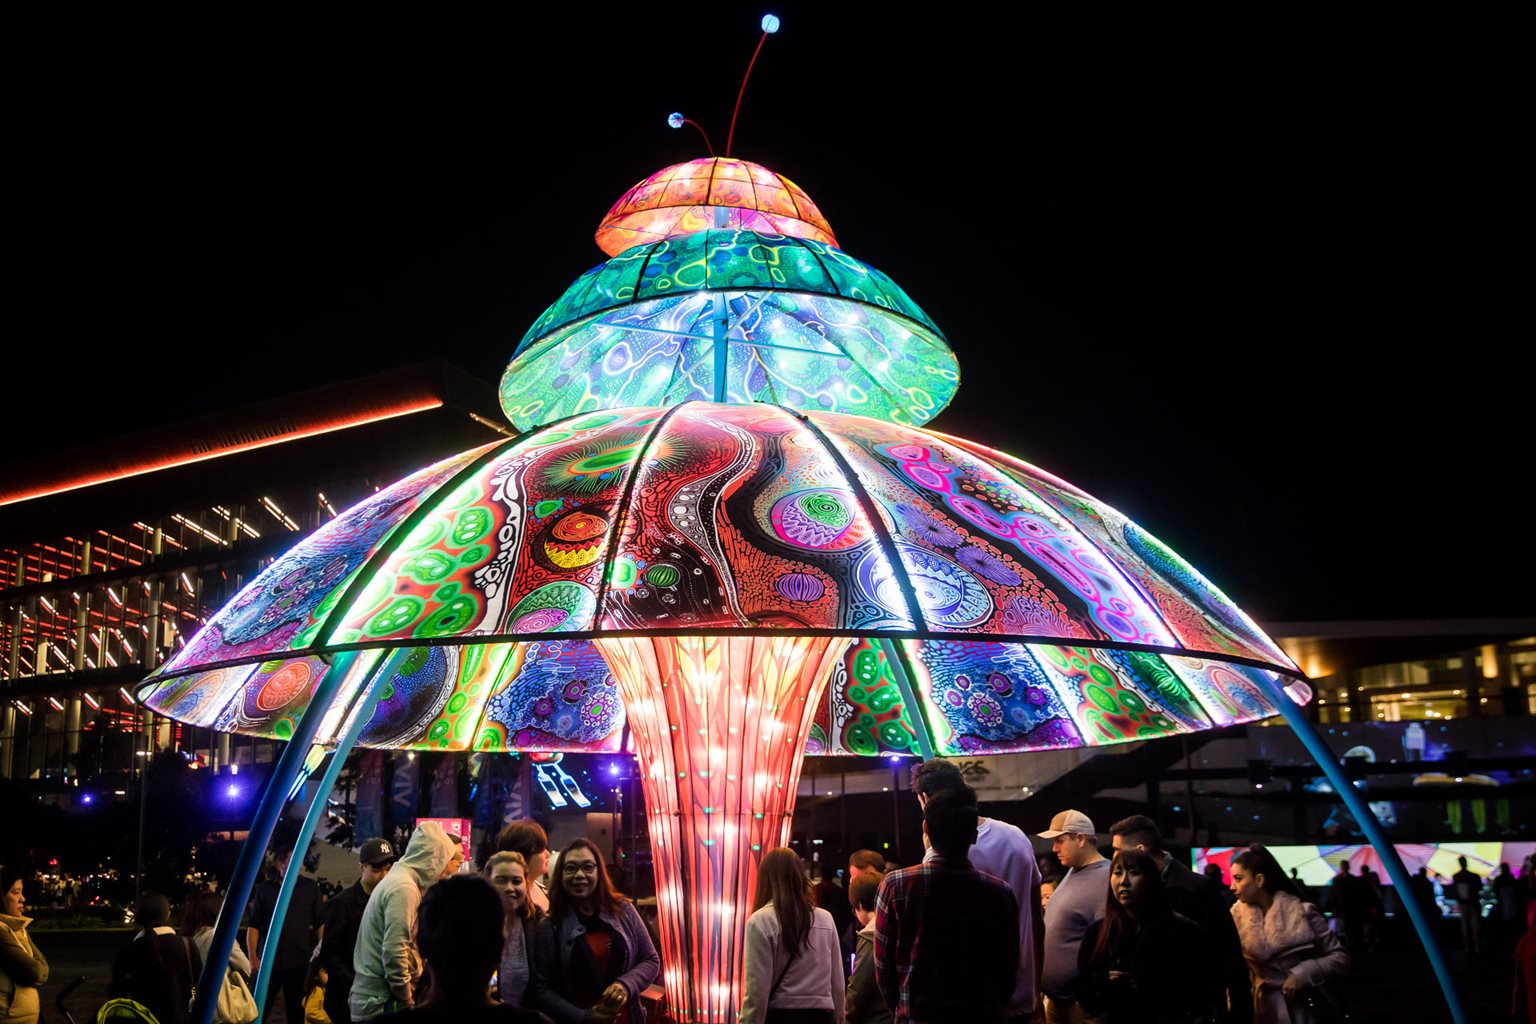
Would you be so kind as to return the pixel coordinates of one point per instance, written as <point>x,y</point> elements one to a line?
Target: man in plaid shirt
<point>946,935</point>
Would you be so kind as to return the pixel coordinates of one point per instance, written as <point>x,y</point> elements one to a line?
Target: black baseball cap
<point>376,852</point>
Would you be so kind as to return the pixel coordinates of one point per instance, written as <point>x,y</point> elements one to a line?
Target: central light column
<point>720,725</point>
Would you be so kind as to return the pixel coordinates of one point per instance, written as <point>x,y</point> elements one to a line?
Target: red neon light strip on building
<point>185,458</point>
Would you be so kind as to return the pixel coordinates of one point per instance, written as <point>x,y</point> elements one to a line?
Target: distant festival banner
<point>369,817</point>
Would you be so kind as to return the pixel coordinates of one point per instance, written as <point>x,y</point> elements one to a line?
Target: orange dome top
<point>715,192</point>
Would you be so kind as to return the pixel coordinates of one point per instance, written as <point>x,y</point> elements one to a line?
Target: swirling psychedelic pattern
<point>715,192</point>
<point>280,609</point>
<point>864,713</point>
<point>559,695</point>
<point>273,698</point>
<point>514,548</point>
<point>988,698</point>
<point>800,325</point>
<point>1194,609</point>
<point>490,587</point>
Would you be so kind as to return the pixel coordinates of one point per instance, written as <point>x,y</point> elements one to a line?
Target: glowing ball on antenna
<point>676,120</point>
<point>770,23</point>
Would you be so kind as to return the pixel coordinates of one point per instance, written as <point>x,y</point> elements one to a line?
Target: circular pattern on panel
<point>819,519</point>
<point>555,607</point>
<point>573,540</point>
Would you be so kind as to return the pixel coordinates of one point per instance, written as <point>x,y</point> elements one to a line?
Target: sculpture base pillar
<point>719,726</point>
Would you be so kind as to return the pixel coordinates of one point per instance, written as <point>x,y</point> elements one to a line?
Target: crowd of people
<point>982,931</point>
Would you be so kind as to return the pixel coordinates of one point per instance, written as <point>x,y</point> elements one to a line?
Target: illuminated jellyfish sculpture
<point>745,552</point>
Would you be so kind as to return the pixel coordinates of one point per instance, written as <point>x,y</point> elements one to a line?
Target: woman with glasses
<point>592,956</point>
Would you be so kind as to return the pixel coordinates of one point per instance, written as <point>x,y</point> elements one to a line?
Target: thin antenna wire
<point>677,120</point>
<point>770,26</point>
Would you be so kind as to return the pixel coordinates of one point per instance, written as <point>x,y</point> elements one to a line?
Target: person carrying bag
<point>236,1004</point>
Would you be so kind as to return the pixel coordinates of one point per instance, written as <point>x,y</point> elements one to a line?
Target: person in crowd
<point>1368,889</point>
<point>1510,913</point>
<point>1290,950</point>
<point>1348,905</point>
<point>508,875</point>
<point>1467,887</point>
<point>1047,886</point>
<point>592,956</point>
<point>338,943</point>
<point>947,935</point>
<point>1077,903</point>
<point>863,1003</point>
<point>1302,888</point>
<point>860,862</point>
<point>1200,900</point>
<point>1143,962</point>
<point>1422,888</point>
<point>1215,874</point>
<point>385,960</point>
<point>201,918</point>
<point>22,965</point>
<point>1522,1008</point>
<point>793,959</point>
<point>1003,851</point>
<point>1528,887</point>
<point>157,968</point>
<point>829,896</point>
<point>864,862</point>
<point>528,838</point>
<point>290,952</point>
<point>459,932</point>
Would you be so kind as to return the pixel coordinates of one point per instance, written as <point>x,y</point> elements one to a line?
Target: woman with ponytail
<point>793,956</point>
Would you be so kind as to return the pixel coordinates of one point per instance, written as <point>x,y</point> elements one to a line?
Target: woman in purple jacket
<point>592,956</point>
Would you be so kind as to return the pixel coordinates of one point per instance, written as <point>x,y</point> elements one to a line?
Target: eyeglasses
<point>587,868</point>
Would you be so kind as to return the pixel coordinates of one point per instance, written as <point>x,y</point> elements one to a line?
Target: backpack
<point>125,1011</point>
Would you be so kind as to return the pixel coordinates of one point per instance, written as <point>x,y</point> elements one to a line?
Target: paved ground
<point>1394,984</point>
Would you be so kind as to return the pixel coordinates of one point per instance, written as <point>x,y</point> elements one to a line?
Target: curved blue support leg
<point>1296,718</point>
<point>289,766</point>
<point>357,719</point>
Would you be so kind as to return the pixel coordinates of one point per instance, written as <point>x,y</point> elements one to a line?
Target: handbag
<point>235,1005</point>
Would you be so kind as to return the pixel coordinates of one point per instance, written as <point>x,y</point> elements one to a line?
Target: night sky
<point>1240,280</point>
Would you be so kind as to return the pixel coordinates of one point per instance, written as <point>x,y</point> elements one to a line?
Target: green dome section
<point>733,316</point>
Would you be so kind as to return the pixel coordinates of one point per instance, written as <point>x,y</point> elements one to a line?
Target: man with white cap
<point>1075,905</point>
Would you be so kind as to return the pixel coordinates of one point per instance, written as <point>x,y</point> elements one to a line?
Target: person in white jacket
<point>1291,951</point>
<point>793,956</point>
<point>385,958</point>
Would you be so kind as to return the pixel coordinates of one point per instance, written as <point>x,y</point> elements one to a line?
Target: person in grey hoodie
<point>385,957</point>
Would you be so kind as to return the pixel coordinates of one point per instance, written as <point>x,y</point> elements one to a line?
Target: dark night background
<point>1243,280</point>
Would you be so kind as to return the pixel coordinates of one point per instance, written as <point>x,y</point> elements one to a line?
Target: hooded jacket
<point>385,957</point>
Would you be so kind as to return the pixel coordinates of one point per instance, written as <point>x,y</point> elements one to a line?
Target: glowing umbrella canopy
<point>993,608</point>
<point>732,316</point>
<point>715,192</point>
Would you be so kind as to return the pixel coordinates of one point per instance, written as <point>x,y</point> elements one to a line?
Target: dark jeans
<point>290,982</point>
<point>782,1016</point>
